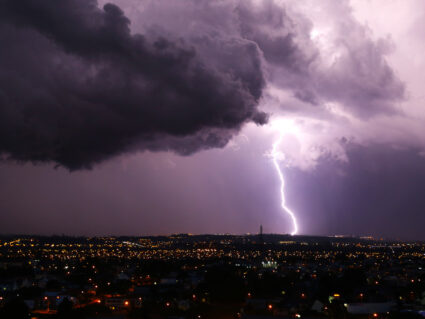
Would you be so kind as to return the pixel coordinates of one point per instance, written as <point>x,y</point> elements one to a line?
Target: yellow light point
<point>275,157</point>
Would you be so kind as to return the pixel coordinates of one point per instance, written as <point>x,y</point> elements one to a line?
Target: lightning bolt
<point>275,156</point>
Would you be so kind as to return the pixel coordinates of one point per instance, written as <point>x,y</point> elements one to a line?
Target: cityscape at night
<point>212,276</point>
<point>212,159</point>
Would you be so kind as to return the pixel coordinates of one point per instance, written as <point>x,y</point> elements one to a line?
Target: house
<point>370,307</point>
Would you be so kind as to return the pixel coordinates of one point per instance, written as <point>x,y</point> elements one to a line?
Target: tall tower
<point>261,234</point>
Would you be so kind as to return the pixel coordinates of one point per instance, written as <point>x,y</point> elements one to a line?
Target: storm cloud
<point>80,82</point>
<point>137,83</point>
<point>77,87</point>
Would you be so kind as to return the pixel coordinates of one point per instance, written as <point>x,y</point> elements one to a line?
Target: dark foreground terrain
<point>210,276</point>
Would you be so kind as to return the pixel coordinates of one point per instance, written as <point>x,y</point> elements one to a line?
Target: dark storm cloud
<point>77,87</point>
<point>277,34</point>
<point>380,191</point>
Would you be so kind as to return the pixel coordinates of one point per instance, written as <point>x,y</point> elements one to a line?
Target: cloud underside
<point>77,86</point>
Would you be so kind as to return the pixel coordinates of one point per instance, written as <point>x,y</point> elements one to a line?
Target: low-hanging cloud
<point>78,86</point>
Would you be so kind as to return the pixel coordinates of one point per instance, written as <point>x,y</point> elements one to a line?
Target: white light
<point>314,33</point>
<point>275,156</point>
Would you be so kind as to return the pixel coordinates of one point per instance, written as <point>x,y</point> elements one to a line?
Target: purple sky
<point>158,116</point>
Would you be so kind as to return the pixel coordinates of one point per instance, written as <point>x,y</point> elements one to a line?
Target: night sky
<point>143,117</point>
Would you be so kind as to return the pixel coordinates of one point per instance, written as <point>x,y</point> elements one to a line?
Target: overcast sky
<point>158,117</point>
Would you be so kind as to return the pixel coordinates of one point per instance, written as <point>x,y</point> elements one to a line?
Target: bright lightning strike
<point>275,156</point>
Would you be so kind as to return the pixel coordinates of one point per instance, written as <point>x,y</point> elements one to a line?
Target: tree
<point>15,309</point>
<point>65,309</point>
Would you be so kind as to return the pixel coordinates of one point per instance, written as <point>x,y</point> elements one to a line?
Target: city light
<point>198,254</point>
